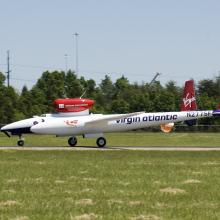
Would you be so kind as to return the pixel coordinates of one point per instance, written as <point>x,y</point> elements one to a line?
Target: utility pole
<point>8,68</point>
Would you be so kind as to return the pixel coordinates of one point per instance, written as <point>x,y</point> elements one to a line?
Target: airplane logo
<point>71,122</point>
<point>188,101</point>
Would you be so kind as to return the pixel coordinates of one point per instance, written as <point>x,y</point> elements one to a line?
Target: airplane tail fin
<point>189,97</point>
<point>188,104</point>
<point>189,100</point>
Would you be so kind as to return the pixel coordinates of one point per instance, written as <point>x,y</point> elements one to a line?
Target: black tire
<point>20,143</point>
<point>72,141</point>
<point>101,142</point>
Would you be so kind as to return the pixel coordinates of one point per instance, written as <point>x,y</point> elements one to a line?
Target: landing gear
<point>101,142</point>
<point>20,141</point>
<point>72,141</point>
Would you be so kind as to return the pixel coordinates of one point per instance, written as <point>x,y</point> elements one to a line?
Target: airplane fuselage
<point>81,124</point>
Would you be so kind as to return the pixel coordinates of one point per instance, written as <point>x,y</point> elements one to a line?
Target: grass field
<point>131,185</point>
<point>124,139</point>
<point>135,185</point>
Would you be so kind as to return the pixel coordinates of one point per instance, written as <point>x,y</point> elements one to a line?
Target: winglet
<point>216,113</point>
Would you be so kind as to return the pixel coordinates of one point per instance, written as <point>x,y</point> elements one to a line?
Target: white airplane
<point>73,118</point>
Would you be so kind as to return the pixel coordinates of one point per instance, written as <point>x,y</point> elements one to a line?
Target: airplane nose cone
<point>4,128</point>
<point>16,128</point>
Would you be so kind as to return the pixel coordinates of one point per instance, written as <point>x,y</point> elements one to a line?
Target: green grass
<point>109,185</point>
<point>124,139</point>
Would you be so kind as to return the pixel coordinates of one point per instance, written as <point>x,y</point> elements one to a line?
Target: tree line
<point>120,96</point>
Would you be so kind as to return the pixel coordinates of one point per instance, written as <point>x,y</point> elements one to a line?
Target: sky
<point>180,39</point>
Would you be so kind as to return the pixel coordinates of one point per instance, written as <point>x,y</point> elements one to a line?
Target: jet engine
<point>166,128</point>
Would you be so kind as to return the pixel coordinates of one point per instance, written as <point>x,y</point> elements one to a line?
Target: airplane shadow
<point>100,148</point>
<point>62,148</point>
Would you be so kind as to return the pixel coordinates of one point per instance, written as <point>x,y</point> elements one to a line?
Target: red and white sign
<point>73,105</point>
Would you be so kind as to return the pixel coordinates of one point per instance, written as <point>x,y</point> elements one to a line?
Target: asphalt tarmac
<point>81,148</point>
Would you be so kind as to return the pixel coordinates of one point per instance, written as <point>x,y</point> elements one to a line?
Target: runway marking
<point>84,148</point>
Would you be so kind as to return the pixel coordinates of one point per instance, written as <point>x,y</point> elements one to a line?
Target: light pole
<point>76,53</point>
<point>8,68</point>
<point>66,61</point>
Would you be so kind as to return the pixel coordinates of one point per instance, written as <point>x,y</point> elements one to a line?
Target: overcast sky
<point>180,39</point>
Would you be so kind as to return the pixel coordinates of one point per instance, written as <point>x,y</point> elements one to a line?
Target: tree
<point>106,93</point>
<point>25,102</point>
<point>175,94</point>
<point>2,79</point>
<point>208,87</point>
<point>89,87</point>
<point>73,87</point>
<point>52,85</point>
<point>122,83</point>
<point>107,88</point>
<point>120,106</point>
<point>9,105</point>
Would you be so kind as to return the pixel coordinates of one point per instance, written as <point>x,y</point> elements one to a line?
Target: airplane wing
<point>104,121</point>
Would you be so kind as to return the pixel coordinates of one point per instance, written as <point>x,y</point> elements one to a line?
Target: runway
<point>87,148</point>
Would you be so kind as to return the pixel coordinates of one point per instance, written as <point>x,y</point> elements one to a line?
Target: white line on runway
<point>112,148</point>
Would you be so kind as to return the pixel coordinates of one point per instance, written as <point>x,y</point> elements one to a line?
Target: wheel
<point>72,141</point>
<point>101,142</point>
<point>20,143</point>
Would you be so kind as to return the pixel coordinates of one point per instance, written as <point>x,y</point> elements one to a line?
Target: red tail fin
<point>189,98</point>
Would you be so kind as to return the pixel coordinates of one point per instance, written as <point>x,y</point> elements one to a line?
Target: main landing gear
<point>101,141</point>
<point>72,141</point>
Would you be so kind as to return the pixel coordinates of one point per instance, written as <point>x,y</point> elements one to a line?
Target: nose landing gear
<point>20,141</point>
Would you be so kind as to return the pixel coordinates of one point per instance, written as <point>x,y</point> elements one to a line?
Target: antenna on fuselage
<point>83,94</point>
